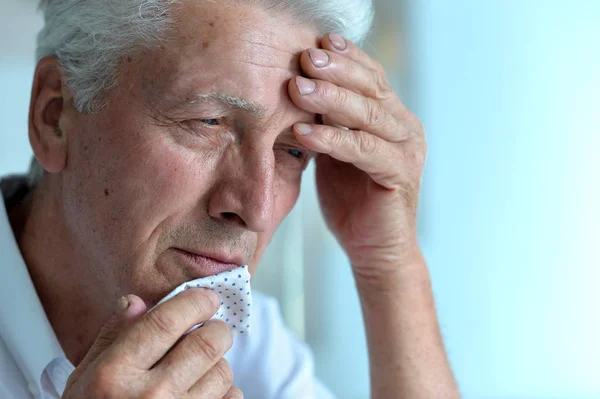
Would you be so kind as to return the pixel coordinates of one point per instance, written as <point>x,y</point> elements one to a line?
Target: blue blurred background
<point>509,92</point>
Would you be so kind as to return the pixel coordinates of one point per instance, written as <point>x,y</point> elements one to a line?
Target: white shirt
<point>271,363</point>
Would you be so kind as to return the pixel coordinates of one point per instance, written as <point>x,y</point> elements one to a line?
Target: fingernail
<point>303,128</point>
<point>122,304</point>
<point>337,41</point>
<point>318,57</point>
<point>305,86</point>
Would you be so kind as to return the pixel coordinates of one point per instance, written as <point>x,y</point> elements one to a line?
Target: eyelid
<point>308,154</point>
<point>293,146</point>
<point>289,139</point>
<point>289,142</point>
<point>202,121</point>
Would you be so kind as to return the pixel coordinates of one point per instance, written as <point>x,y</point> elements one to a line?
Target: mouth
<point>204,264</point>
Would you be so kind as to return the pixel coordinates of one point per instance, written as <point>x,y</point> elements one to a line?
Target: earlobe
<point>48,140</point>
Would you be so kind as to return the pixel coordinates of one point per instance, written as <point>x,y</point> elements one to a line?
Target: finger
<point>367,152</point>
<point>195,355</point>
<point>148,339</point>
<point>234,393</point>
<point>129,309</point>
<point>216,383</point>
<point>347,73</point>
<point>338,44</point>
<point>346,108</point>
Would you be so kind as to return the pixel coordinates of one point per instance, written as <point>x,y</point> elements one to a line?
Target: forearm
<point>407,356</point>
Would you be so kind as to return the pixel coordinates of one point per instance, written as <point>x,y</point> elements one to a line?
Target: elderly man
<point>173,135</point>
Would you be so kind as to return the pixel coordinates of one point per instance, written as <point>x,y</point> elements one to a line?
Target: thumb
<point>129,309</point>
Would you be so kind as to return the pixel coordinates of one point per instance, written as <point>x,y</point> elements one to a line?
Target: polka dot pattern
<point>233,305</point>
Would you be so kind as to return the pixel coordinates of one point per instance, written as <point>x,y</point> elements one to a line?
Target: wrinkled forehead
<point>240,48</point>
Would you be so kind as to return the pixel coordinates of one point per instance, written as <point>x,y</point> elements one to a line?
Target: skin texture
<point>158,169</point>
<point>138,178</point>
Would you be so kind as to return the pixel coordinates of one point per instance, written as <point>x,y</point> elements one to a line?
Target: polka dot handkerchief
<point>233,287</point>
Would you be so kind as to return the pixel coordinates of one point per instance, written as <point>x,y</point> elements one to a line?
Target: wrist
<point>388,269</point>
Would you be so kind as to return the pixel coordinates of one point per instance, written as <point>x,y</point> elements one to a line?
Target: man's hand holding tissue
<point>142,355</point>
<point>371,156</point>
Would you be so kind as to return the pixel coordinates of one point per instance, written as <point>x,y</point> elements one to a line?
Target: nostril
<point>233,217</point>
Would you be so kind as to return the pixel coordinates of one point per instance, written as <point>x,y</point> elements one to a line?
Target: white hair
<point>90,38</point>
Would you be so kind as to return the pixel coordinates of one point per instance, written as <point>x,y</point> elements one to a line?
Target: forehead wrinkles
<point>278,59</point>
<point>236,32</point>
<point>220,43</point>
<point>251,48</point>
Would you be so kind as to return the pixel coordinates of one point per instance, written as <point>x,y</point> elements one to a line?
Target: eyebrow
<point>230,101</point>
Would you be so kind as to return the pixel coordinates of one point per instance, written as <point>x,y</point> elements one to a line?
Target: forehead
<point>239,49</point>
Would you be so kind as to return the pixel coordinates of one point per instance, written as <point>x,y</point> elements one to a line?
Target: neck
<point>62,278</point>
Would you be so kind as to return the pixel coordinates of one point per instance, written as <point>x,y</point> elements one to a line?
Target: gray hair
<point>90,38</point>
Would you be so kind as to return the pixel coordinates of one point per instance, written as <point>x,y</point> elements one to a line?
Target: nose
<point>244,193</point>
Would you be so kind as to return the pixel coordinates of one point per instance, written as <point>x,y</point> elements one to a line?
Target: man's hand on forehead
<point>372,151</point>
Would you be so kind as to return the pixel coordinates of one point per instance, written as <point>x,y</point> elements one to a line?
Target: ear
<point>48,141</point>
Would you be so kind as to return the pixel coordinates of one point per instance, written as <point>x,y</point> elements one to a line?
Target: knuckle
<point>210,348</point>
<point>378,67</point>
<point>374,113</point>
<point>334,138</point>
<point>338,96</point>
<point>162,322</point>
<point>414,121</point>
<point>381,87</point>
<point>367,144</point>
<point>202,305</point>
<point>223,329</point>
<point>420,128</point>
<point>223,372</point>
<point>417,131</point>
<point>412,128</point>
<point>353,70</point>
<point>235,393</point>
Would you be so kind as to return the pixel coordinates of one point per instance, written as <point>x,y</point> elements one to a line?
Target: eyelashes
<point>296,153</point>
<point>210,122</point>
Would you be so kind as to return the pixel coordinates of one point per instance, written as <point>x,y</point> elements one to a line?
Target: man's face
<point>175,166</point>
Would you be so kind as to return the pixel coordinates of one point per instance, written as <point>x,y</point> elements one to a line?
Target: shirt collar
<point>24,327</point>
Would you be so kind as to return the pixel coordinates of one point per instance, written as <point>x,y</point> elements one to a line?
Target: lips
<point>204,264</point>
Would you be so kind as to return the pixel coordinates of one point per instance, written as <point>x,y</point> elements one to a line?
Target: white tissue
<point>233,287</point>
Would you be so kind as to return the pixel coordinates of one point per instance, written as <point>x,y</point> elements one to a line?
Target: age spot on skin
<point>106,192</point>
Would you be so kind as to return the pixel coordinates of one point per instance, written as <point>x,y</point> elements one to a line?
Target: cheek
<point>128,189</point>
<point>157,182</point>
